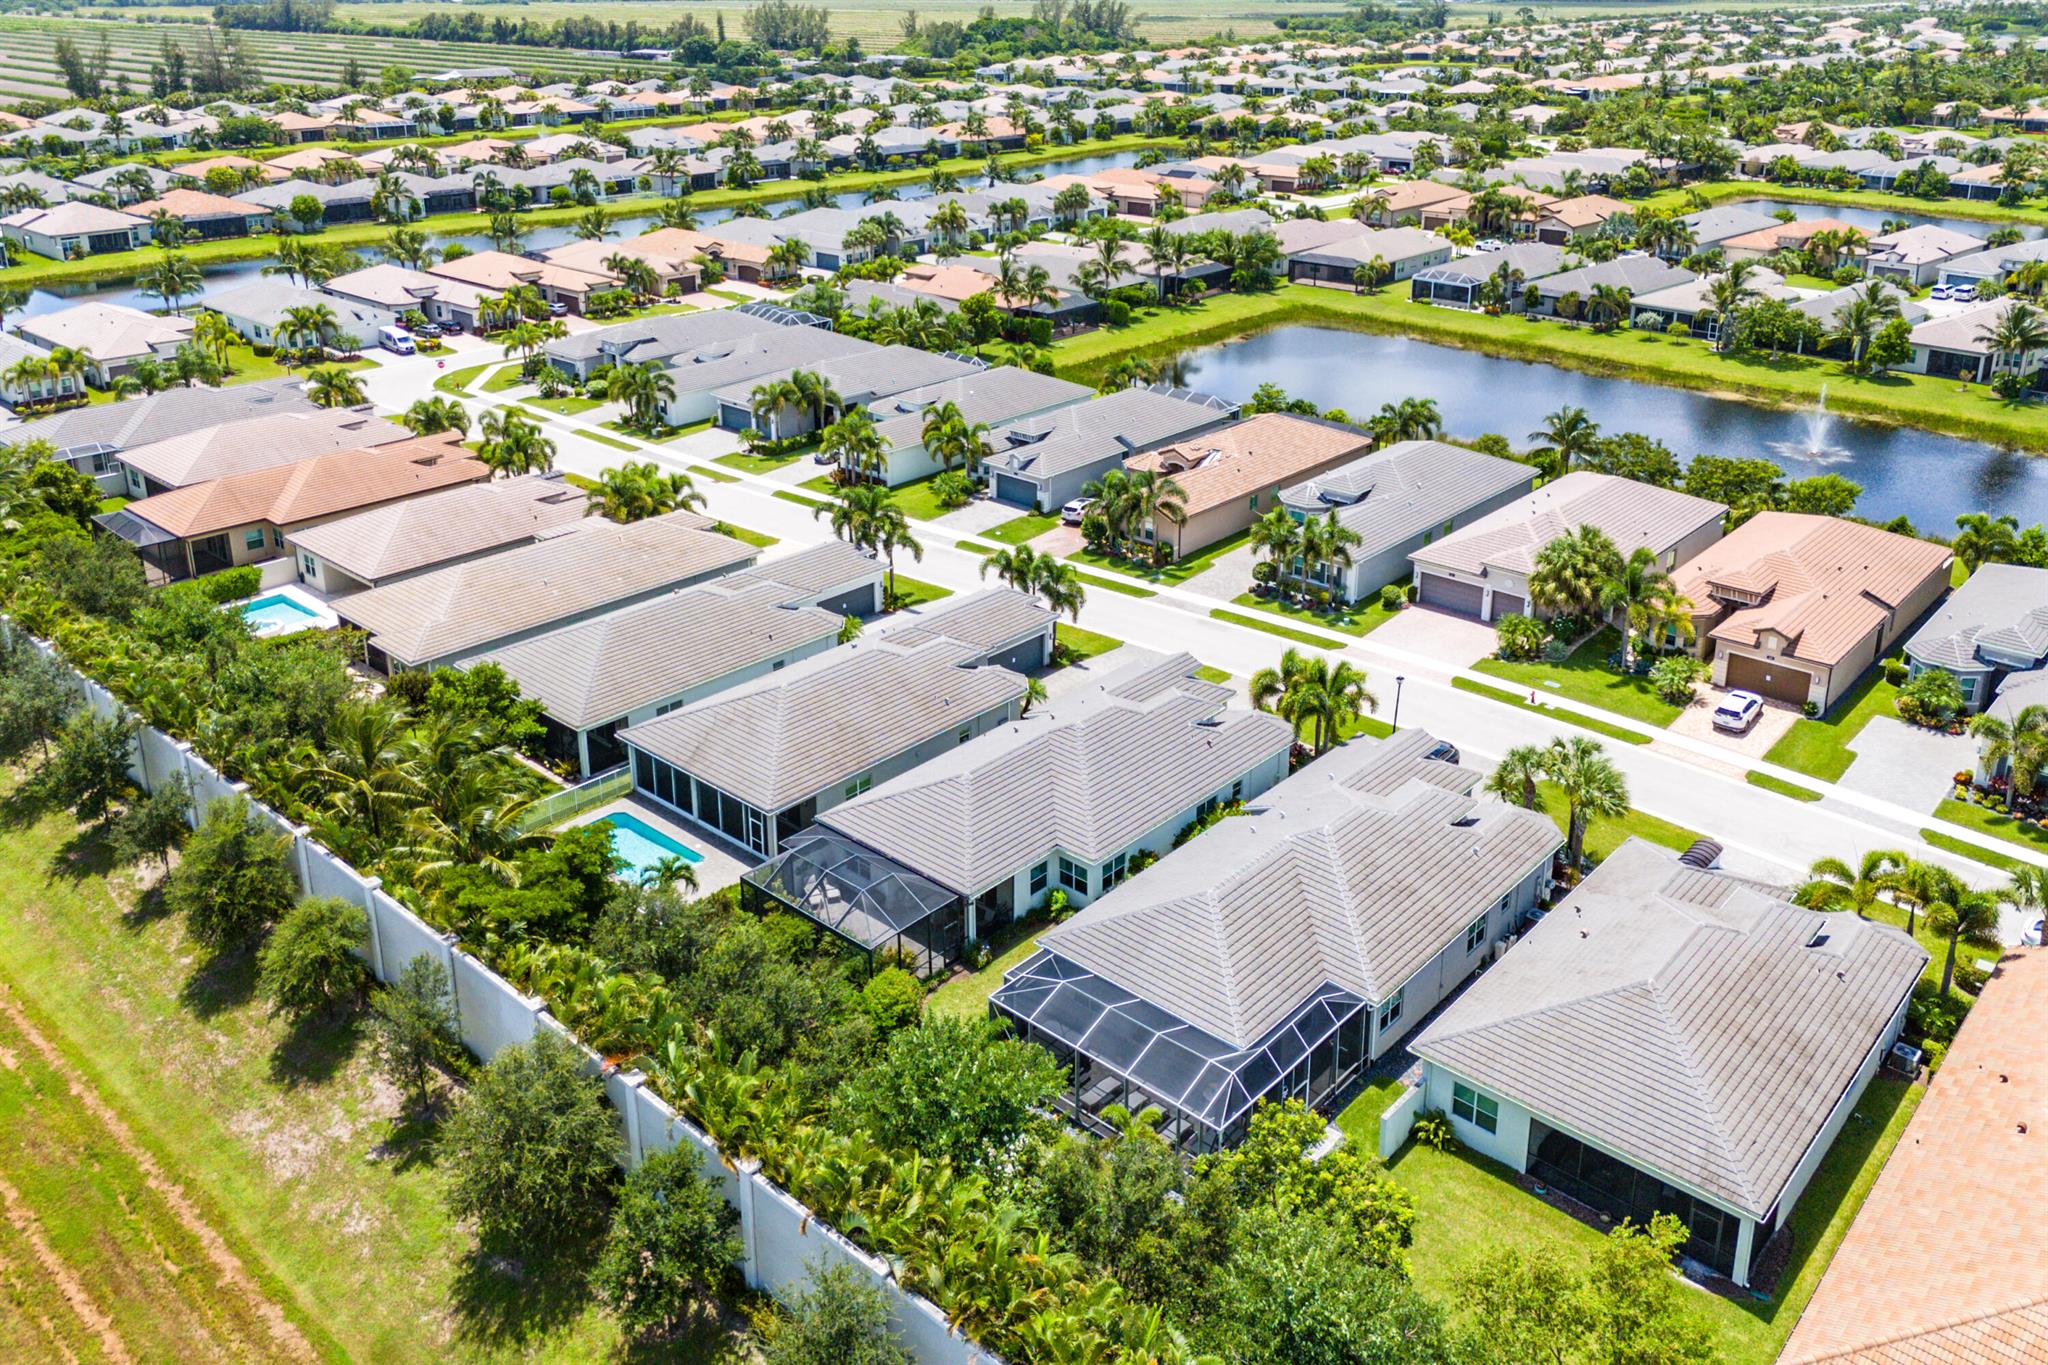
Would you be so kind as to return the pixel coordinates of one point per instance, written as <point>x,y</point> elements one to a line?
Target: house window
<point>1481,1111</point>
<point>1113,870</point>
<point>1390,1012</point>
<point>1040,875</point>
<point>310,565</point>
<point>253,540</point>
<point>966,733</point>
<point>1253,502</point>
<point>1073,876</point>
<point>1475,935</point>
<point>276,539</point>
<point>858,785</point>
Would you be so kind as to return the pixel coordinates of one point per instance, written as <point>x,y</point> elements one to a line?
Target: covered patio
<point>879,907</point>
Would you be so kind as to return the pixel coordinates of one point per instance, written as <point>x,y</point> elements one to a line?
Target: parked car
<point>2032,937</point>
<point>426,329</point>
<point>1071,514</point>
<point>1737,712</point>
<point>1940,291</point>
<point>558,309</point>
<point>1963,293</point>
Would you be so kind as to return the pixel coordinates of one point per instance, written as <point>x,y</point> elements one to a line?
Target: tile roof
<point>1354,871</point>
<point>184,203</point>
<point>1900,1290</point>
<point>162,416</point>
<point>322,485</point>
<point>2002,608</point>
<point>1688,1021</point>
<point>1826,583</point>
<point>1231,462</point>
<point>1397,492</point>
<point>998,394</point>
<point>1631,514</point>
<point>251,443</point>
<point>436,528</point>
<point>72,216</point>
<point>465,608</point>
<point>108,332</point>
<point>1087,775</point>
<point>1109,427</point>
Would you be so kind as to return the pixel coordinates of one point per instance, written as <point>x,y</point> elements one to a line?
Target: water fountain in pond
<point>1816,448</point>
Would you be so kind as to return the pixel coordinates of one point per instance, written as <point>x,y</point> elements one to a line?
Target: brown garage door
<point>1506,603</point>
<point>1434,590</point>
<point>1767,679</point>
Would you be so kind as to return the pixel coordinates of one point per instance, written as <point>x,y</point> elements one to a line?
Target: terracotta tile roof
<point>1903,1289</point>
<point>1585,211</point>
<point>198,204</point>
<point>502,270</point>
<point>1826,583</point>
<point>1260,452</point>
<point>322,486</point>
<point>1792,234</point>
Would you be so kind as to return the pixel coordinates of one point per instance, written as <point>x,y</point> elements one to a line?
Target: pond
<point>230,274</point>
<point>1928,477</point>
<point>1872,221</point>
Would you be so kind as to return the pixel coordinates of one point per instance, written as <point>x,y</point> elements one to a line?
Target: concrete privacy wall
<point>1397,1120</point>
<point>783,1239</point>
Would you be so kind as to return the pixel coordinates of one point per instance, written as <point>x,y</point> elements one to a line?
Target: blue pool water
<point>643,846</point>
<point>276,611</point>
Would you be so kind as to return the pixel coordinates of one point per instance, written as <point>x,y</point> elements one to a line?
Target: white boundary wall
<point>783,1240</point>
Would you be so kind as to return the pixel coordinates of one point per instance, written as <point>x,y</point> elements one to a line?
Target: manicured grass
<point>1179,571</point>
<point>1272,627</point>
<point>713,473</point>
<point>914,592</point>
<point>730,295</point>
<point>758,539</point>
<point>1935,944</point>
<point>506,376</point>
<point>1986,821</point>
<point>458,381</point>
<point>967,996</point>
<point>1362,618</point>
<point>1360,1119</point>
<point>1210,673</point>
<point>246,367</point>
<point>566,407</point>
<point>1821,748</point>
<point>919,502</point>
<point>1935,838</point>
<point>113,504</point>
<point>756,464</point>
<point>1781,787</point>
<point>1466,1205</point>
<point>1370,726</point>
<point>1736,191</point>
<point>608,441</point>
<point>1562,717</point>
<point>1605,834</point>
<point>1113,585</point>
<point>800,499</point>
<point>1082,645</point>
<point>288,1144</point>
<point>1017,530</point>
<point>1586,677</point>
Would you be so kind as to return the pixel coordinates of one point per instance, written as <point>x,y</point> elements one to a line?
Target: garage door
<point>1767,679</point>
<point>1434,590</point>
<point>1016,491</point>
<point>1507,604</point>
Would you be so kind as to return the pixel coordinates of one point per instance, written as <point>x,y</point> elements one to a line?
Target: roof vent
<point>1819,939</point>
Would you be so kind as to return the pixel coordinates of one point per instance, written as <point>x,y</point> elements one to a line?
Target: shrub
<point>1263,571</point>
<point>1675,677</point>
<point>672,1242</point>
<point>87,767</point>
<point>263,350</point>
<point>1393,596</point>
<point>1810,709</point>
<point>891,998</point>
<point>1116,313</point>
<point>1433,1130</point>
<point>311,963</point>
<point>410,686</point>
<point>1675,328</point>
<point>231,585</point>
<point>413,1027</point>
<point>836,1316</point>
<point>1931,1054</point>
<point>1056,903</point>
<point>1410,590</point>
<point>1520,637</point>
<point>235,879</point>
<point>153,824</point>
<point>1895,672</point>
<point>952,488</point>
<point>1936,694</point>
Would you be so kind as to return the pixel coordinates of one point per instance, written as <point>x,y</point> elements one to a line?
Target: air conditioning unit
<point>1904,1057</point>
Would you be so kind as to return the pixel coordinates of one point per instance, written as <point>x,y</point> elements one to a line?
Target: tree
<point>94,576</point>
<point>1349,1188</point>
<point>836,1316</point>
<point>1514,778</point>
<point>2021,742</point>
<point>531,1150</point>
<point>635,491</point>
<point>413,1027</point>
<point>513,445</point>
<point>155,823</point>
<point>235,879</point>
<point>36,696</point>
<point>1566,436</point>
<point>1961,913</point>
<point>1648,599</point>
<point>673,1241</point>
<point>312,962</point>
<point>1590,785</point>
<point>1313,691</point>
<point>1570,570</point>
<point>87,767</point>
<point>2020,329</point>
<point>952,1088</point>
<point>428,416</point>
<point>1832,885</point>
<point>1984,539</point>
<point>335,387</point>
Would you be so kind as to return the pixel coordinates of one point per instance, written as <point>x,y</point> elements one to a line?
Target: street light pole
<point>1398,680</point>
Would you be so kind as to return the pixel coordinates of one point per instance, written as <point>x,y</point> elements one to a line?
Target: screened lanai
<point>872,902</point>
<point>1119,1049</point>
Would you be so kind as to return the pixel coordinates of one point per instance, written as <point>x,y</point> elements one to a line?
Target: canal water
<point>1872,221</point>
<point>1930,478</point>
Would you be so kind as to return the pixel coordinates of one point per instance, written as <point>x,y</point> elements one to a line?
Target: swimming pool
<point>277,612</point>
<point>642,846</point>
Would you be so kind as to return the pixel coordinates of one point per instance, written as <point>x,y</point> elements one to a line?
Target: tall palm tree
<point>172,279</point>
<point>1515,777</point>
<point>1572,568</point>
<point>512,445</point>
<point>1153,498</point>
<point>1985,539</point>
<point>1590,785</point>
<point>1566,437</point>
<point>1648,599</point>
<point>855,446</point>
<point>430,415</point>
<point>1313,691</point>
<point>1607,306</point>
<point>635,491</point>
<point>1326,546</point>
<point>2019,330</point>
<point>1278,536</point>
<point>2021,742</point>
<point>1960,913</point>
<point>334,387</point>
<point>1833,885</point>
<point>308,325</point>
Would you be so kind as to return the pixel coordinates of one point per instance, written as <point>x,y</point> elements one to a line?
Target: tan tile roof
<point>1827,583</point>
<point>254,442</point>
<point>1585,211</point>
<point>1792,234</point>
<point>1411,195</point>
<point>197,170</point>
<point>502,270</point>
<point>197,204</point>
<point>322,486</point>
<point>1260,452</point>
<point>1946,1262</point>
<point>400,538</point>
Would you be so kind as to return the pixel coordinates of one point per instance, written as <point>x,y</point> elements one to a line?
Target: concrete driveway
<point>1697,722</point>
<point>1907,765</point>
<point>1453,640</point>
<point>1228,577</point>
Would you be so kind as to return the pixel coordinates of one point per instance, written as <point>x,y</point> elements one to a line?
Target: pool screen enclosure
<point>874,903</point>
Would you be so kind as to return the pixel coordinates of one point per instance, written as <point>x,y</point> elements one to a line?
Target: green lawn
<point>1110,584</point>
<point>1370,726</point>
<point>918,501</point>
<point>1017,530</point>
<point>713,473</point>
<point>1986,821</point>
<point>1604,834</point>
<point>1210,673</point>
<point>1937,839</point>
<point>1466,1205</point>
<point>1586,677</point>
<point>506,376</point>
<point>1822,748</point>
<point>1360,1119</point>
<point>915,592</point>
<point>1082,645</point>
<point>967,996</point>
<point>565,407</point>
<point>246,367</point>
<point>1781,787</point>
<point>800,499</point>
<point>614,443</point>
<point>758,539</point>
<point>113,504</point>
<point>458,381</point>
<point>1272,627</point>
<point>757,464</point>
<point>1597,726</point>
<point>1179,571</point>
<point>1360,618</point>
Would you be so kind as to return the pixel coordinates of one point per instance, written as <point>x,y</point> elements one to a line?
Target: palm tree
<point>1590,785</point>
<point>362,776</point>
<point>594,226</point>
<point>214,335</point>
<point>1607,306</point>
<point>1326,546</point>
<point>1984,539</point>
<point>512,445</point>
<point>2021,741</point>
<point>1514,778</point>
<point>505,231</point>
<point>1856,324</point>
<point>1313,691</point>
<point>2019,330</point>
<point>647,393</point>
<point>1154,497</point>
<point>950,438</point>
<point>172,279</point>
<point>1566,436</point>
<point>1960,913</point>
<point>1648,600</point>
<point>1570,570</point>
<point>1278,535</point>
<point>1832,885</point>
<point>334,387</point>
<point>307,325</point>
<point>636,491</point>
<point>430,415</point>
<point>855,446</point>
<point>854,513</point>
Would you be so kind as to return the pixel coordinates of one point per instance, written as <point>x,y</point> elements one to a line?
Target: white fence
<point>782,1238</point>
<point>1397,1120</point>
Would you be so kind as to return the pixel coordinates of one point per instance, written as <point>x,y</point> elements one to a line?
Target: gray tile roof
<point>1637,274</point>
<point>418,533</point>
<point>780,739</point>
<point>1355,871</point>
<point>864,375</point>
<point>1087,776</point>
<point>657,338</point>
<point>713,365</point>
<point>1718,224</point>
<point>1631,514</point>
<point>2002,608</point>
<point>161,416</point>
<point>989,620</point>
<point>1533,259</point>
<point>260,440</point>
<point>1110,427</point>
<point>993,395</point>
<point>1395,494</point>
<point>1688,1021</point>
<point>468,607</point>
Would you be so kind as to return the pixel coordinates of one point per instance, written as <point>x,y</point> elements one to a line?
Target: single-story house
<point>1791,236</point>
<point>243,444</point>
<point>1993,263</point>
<point>398,290</point>
<point>1575,219</point>
<point>1482,568</point>
<point>205,217</point>
<point>1634,274</point>
<point>111,336</point>
<point>1457,283</point>
<point>72,228</point>
<point>1711,227</point>
<point>15,352</point>
<point>859,378</point>
<point>1672,1040</point>
<point>1692,303</point>
<point>91,438</point>
<point>202,528</point>
<point>454,613</point>
<point>1044,461</point>
<point>1064,797</point>
<point>596,677</point>
<point>1968,1146</point>
<point>1401,252</point>
<point>1915,255</point>
<point>701,374</point>
<point>1994,625</point>
<point>1798,607</point>
<point>676,273</point>
<point>758,763</point>
<point>657,339</point>
<point>1418,203</point>
<point>1397,500</point>
<point>1232,475</point>
<point>991,397</point>
<point>500,271</point>
<point>1958,346</point>
<point>384,544</point>
<point>1275,955</point>
<point>257,310</point>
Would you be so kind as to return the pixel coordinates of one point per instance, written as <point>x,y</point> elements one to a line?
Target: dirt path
<point>23,1220</point>
<point>232,1275</point>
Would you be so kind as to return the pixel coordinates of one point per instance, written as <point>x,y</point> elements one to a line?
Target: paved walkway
<point>1228,577</point>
